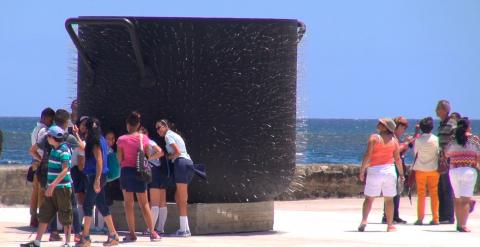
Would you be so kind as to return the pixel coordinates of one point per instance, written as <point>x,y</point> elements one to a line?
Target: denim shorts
<point>129,181</point>
<point>183,170</point>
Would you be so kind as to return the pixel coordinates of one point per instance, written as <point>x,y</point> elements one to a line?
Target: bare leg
<point>129,212</point>
<point>42,227</point>
<point>68,231</point>
<point>367,206</point>
<point>181,198</point>
<point>145,208</point>
<point>389,210</point>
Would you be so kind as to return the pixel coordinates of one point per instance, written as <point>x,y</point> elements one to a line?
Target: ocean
<point>330,141</point>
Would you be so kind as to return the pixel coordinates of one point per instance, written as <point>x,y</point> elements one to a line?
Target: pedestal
<point>207,218</point>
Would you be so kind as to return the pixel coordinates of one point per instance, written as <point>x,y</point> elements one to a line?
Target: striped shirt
<point>57,157</point>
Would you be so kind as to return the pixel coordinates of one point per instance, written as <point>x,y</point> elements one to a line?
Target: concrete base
<point>207,218</point>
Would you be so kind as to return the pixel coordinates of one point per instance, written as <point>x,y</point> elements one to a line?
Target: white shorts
<point>381,179</point>
<point>463,181</point>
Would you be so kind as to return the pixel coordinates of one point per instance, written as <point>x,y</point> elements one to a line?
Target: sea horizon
<point>318,141</point>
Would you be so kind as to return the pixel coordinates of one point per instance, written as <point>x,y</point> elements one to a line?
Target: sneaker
<point>183,234</point>
<point>112,240</point>
<point>130,238</point>
<point>434,223</point>
<point>66,245</point>
<point>472,205</point>
<point>418,223</point>
<point>34,221</point>
<point>29,244</point>
<point>155,237</point>
<point>55,236</point>
<point>391,229</point>
<point>84,242</point>
<point>399,221</point>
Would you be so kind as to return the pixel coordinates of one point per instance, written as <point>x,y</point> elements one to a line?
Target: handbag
<point>144,171</point>
<point>30,174</point>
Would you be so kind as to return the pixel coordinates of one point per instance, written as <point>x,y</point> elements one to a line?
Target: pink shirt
<point>129,145</point>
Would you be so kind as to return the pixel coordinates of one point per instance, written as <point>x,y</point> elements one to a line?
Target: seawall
<point>310,182</point>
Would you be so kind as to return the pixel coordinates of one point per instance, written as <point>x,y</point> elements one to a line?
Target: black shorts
<point>129,181</point>
<point>183,170</point>
<point>79,180</point>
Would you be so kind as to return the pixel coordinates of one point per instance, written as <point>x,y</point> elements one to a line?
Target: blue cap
<point>56,132</point>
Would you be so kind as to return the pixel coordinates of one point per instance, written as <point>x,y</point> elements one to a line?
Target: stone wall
<point>14,188</point>
<point>311,181</point>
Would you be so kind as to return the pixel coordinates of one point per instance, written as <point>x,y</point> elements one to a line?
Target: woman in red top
<point>127,147</point>
<point>382,154</point>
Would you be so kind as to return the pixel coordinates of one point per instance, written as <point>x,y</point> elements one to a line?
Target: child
<point>59,184</point>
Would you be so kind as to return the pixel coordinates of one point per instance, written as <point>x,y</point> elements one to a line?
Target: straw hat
<point>388,123</point>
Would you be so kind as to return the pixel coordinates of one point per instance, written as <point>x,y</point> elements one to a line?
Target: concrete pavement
<point>323,222</point>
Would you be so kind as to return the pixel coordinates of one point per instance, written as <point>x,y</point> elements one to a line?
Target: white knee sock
<point>162,218</point>
<point>183,223</point>
<point>154,210</point>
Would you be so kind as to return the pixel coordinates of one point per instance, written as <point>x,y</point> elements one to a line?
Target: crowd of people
<point>72,163</point>
<point>446,164</point>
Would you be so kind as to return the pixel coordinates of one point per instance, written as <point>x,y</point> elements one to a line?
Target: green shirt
<point>58,157</point>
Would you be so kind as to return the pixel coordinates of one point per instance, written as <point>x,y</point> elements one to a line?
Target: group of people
<point>72,162</point>
<point>446,164</point>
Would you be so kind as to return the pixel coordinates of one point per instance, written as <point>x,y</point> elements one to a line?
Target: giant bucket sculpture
<point>229,85</point>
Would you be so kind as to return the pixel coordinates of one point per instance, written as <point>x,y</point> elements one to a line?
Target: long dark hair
<point>94,132</point>
<point>461,131</point>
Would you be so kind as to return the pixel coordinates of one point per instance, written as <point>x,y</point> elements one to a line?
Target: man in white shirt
<point>46,120</point>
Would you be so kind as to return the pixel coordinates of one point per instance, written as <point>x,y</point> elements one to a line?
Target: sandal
<point>130,238</point>
<point>361,228</point>
<point>463,229</point>
<point>84,242</point>
<point>112,240</point>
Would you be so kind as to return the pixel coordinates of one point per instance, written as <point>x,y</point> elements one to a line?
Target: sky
<point>358,59</point>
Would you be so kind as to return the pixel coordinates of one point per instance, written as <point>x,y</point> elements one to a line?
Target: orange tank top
<point>382,153</point>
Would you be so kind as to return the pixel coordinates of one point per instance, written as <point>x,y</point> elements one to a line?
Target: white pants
<point>381,179</point>
<point>463,181</point>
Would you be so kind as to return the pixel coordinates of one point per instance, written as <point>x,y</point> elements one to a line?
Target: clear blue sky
<point>359,59</point>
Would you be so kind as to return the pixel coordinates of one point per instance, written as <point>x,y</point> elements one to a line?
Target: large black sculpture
<point>229,85</point>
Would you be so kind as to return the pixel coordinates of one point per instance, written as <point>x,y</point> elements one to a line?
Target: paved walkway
<point>325,222</point>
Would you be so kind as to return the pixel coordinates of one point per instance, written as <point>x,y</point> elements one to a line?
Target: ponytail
<point>461,131</point>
